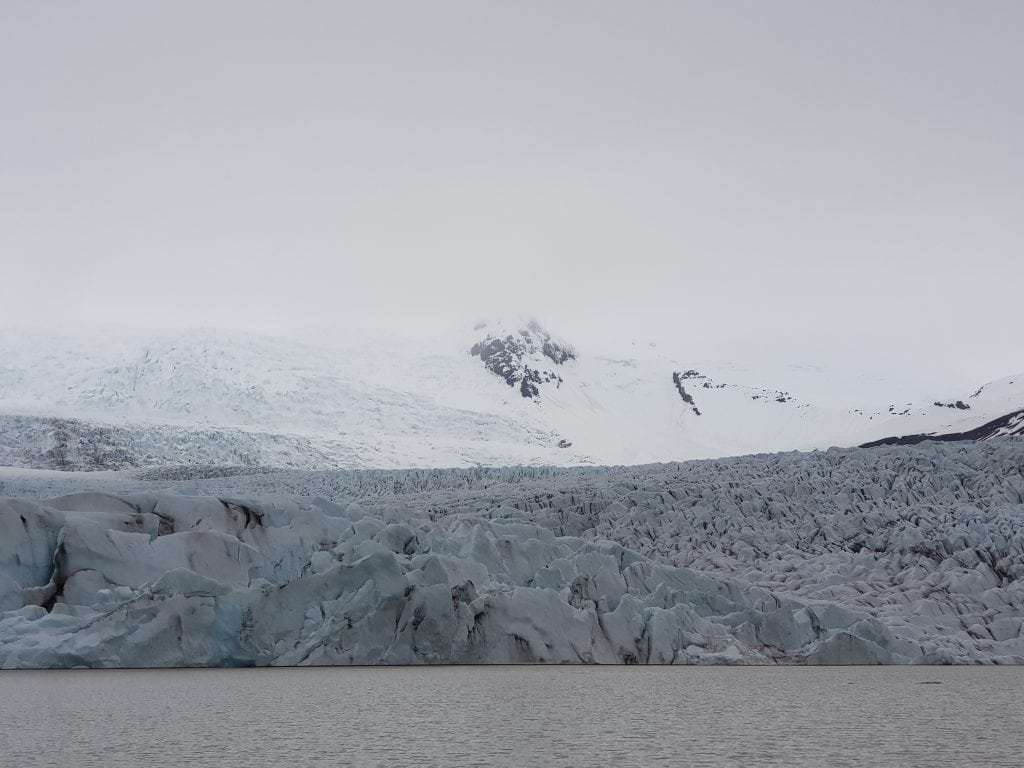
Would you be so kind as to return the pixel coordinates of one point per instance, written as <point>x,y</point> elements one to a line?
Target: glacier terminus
<point>892,554</point>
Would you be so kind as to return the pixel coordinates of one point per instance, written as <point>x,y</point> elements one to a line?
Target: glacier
<point>893,554</point>
<point>503,393</point>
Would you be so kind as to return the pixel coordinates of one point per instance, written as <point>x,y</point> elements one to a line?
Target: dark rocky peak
<point>524,358</point>
<point>536,337</point>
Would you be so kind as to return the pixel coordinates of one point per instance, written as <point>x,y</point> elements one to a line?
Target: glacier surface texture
<point>897,554</point>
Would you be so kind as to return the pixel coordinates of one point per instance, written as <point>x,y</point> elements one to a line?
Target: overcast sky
<point>845,175</point>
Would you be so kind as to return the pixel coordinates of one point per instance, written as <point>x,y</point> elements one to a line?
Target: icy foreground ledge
<point>889,555</point>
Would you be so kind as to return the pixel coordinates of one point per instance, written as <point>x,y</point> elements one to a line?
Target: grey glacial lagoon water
<point>514,716</point>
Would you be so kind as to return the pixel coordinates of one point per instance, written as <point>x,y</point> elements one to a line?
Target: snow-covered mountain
<point>969,419</point>
<point>500,393</point>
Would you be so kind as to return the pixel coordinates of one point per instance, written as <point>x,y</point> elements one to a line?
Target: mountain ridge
<point>506,392</point>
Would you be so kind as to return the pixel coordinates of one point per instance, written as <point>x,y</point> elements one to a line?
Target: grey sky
<point>842,174</point>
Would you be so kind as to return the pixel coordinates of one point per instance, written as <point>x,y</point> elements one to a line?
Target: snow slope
<point>993,410</point>
<point>888,555</point>
<point>498,394</point>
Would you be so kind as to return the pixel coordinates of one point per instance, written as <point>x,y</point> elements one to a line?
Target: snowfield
<point>498,394</point>
<point>905,554</point>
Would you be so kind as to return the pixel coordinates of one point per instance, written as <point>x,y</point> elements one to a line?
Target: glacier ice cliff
<point>903,554</point>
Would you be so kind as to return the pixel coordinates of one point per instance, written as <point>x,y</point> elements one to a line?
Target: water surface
<point>515,716</point>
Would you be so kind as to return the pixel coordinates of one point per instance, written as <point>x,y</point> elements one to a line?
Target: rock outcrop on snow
<point>500,394</point>
<point>887,555</point>
<point>524,358</point>
<point>1004,426</point>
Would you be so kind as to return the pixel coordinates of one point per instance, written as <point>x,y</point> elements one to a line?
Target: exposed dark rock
<point>960,405</point>
<point>507,356</point>
<point>556,353</point>
<point>677,379</point>
<point>1010,424</point>
<point>527,387</point>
